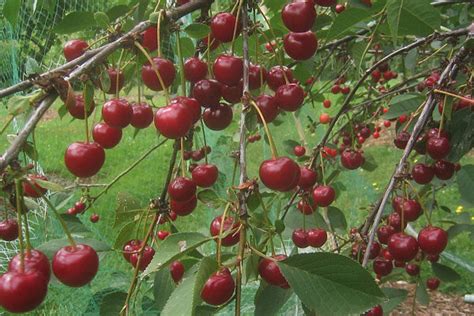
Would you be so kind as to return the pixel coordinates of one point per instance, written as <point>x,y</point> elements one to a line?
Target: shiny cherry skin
<point>268,106</point>
<point>340,8</point>
<point>300,46</point>
<point>117,113</point>
<point>307,179</point>
<point>382,266</point>
<point>84,159</point>
<point>9,229</point>
<point>270,272</point>
<point>306,207</point>
<point>299,151</point>
<point>191,104</point>
<point>410,208</point>
<point>181,189</point>
<point>106,136</point>
<point>34,260</point>
<point>384,232</point>
<point>142,115</point>
<point>33,189</point>
<point>280,174</point>
<point>257,76</point>
<point>150,39</point>
<point>223,27</point>
<point>228,69</point>
<point>432,240</point>
<point>229,230</point>
<point>145,260</point>
<point>376,310</point>
<point>324,195</point>
<point>299,238</point>
<point>444,170</point>
<point>298,16</point>
<point>316,237</point>
<point>75,266</point>
<point>75,107</point>
<point>412,269</point>
<point>218,117</point>
<point>395,221</point>
<point>325,3</point>
<point>207,92</point>
<point>162,234</point>
<point>94,218</point>
<point>401,140</point>
<point>432,283</point>
<point>205,175</point>
<point>351,159</point>
<point>130,247</point>
<point>166,70</point>
<point>117,80</point>
<point>402,247</point>
<point>276,76</point>
<point>74,49</point>
<point>289,97</point>
<point>21,292</point>
<point>176,271</point>
<point>232,94</point>
<point>438,147</point>
<point>185,207</point>
<point>195,69</point>
<point>422,174</point>
<point>174,120</point>
<point>359,249</point>
<point>219,288</point>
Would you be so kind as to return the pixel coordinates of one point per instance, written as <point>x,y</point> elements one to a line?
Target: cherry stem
<point>183,162</point>
<point>219,239</point>
<point>19,211</point>
<point>208,53</point>
<point>27,233</point>
<point>300,129</point>
<point>158,35</point>
<point>322,165</point>
<point>204,140</point>
<point>181,63</point>
<point>260,254</point>
<point>277,55</point>
<point>139,84</point>
<point>86,122</point>
<point>428,216</point>
<point>117,70</point>
<point>267,130</point>
<point>442,119</point>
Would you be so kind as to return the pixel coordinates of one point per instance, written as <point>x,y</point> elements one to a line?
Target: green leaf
<point>50,247</point>
<point>403,104</point>
<point>461,128</point>
<point>197,30</point>
<point>117,11</point>
<point>88,95</point>
<point>128,207</point>
<point>395,297</point>
<point>465,180</point>
<point>127,232</point>
<point>51,186</point>
<point>11,11</point>
<point>270,299</point>
<point>421,294</point>
<point>187,46</point>
<point>74,22</point>
<point>370,164</point>
<point>410,60</point>
<point>445,273</point>
<point>210,198</point>
<point>102,19</point>
<point>74,224</point>
<point>18,104</point>
<point>163,286</point>
<point>289,146</point>
<point>174,247</point>
<point>337,218</point>
<point>336,285</point>
<point>112,303</point>
<point>32,66</point>
<point>457,229</point>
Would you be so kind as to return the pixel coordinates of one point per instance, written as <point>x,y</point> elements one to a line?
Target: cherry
<point>106,136</point>
<point>166,70</point>
<point>117,113</point>
<point>34,261</point>
<point>438,147</point>
<point>298,16</point>
<point>117,80</point>
<point>327,103</point>
<point>289,97</point>
<point>195,69</point>
<point>384,233</point>
<point>444,170</point>
<point>162,234</point>
<point>270,272</point>
<point>307,179</point>
<point>218,117</point>
<point>197,155</point>
<point>340,8</point>
<point>399,264</point>
<point>84,159</point>
<point>306,207</point>
<point>351,159</point>
<point>382,266</point>
<point>324,118</point>
<point>280,174</point>
<point>422,174</point>
<point>233,94</point>
<point>402,247</point>
<point>300,46</point>
<point>412,269</point>
<point>432,258</point>
<point>365,132</point>
<point>94,218</point>
<point>9,229</point>
<point>80,206</point>
<point>395,221</point>
<point>76,265</point>
<point>257,76</point>
<point>207,92</point>
<point>75,107</point>
<point>176,271</point>
<point>21,292</point>
<point>150,38</point>
<point>401,140</point>
<point>299,151</point>
<point>432,240</point>
<point>433,132</point>
<point>316,237</point>
<point>130,247</point>
<point>325,3</point>
<point>228,69</point>
<point>387,124</point>
<point>335,89</point>
<point>359,249</point>
<point>375,311</point>
<point>142,115</point>
<point>411,210</point>
<point>210,38</point>
<point>191,104</point>
<point>299,238</point>
<point>185,207</point>
<point>174,120</point>
<point>219,288</point>
<point>268,106</point>
<point>276,76</point>
<point>205,175</point>
<point>223,27</point>
<point>324,195</point>
<point>230,230</point>
<point>432,283</point>
<point>376,75</point>
<point>181,189</point>
<point>33,189</point>
<point>386,254</point>
<point>146,257</point>
<point>74,49</point>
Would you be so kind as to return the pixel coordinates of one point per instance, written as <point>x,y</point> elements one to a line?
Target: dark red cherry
<point>145,260</point>
<point>438,147</point>
<point>174,120</point>
<point>106,136</point>
<point>306,207</point>
<point>298,16</point>
<point>191,104</point>
<point>76,265</point>
<point>166,70</point>
<point>386,254</point>
<point>384,233</point>
<point>117,113</point>
<point>324,195</point>
<point>130,247</point>
<point>299,238</point>
<point>150,38</point>
<point>34,260</point>
<point>21,292</point>
<point>75,107</point>
<point>33,189</point>
<point>207,92</point>
<point>223,27</point>
<point>142,115</point>
<point>229,230</point>
<point>432,240</point>
<point>308,178</point>
<point>181,189</point>
<point>280,174</point>
<point>176,271</point>
<point>268,106</point>
<point>299,151</point>
<point>422,174</point>
<point>382,266</point>
<point>432,258</point>
<point>74,48</point>
<point>316,237</point>
<point>325,3</point>
<point>289,97</point>
<point>195,69</point>
<point>232,94</point>
<point>401,140</point>
<point>276,76</point>
<point>84,159</point>
<point>9,229</point>
<point>228,69</point>
<point>218,117</point>
<point>359,249</point>
<point>205,175</point>
<point>411,210</point>
<point>270,272</point>
<point>434,132</point>
<point>444,170</point>
<point>257,76</point>
<point>376,310</point>
<point>162,234</point>
<point>300,46</point>
<point>117,80</point>
<point>402,247</point>
<point>340,8</point>
<point>185,207</point>
<point>219,288</point>
<point>432,283</point>
<point>395,221</point>
<point>412,269</point>
<point>351,159</point>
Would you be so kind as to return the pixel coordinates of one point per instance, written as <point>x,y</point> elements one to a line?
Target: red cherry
<point>219,288</point>
<point>94,218</point>
<point>106,136</point>
<point>174,120</point>
<point>34,260</point>
<point>218,117</point>
<point>395,221</point>
<point>185,207</point>
<point>197,155</point>
<point>402,247</point>
<point>324,195</point>
<point>195,69</point>
<point>289,97</point>
<point>432,283</point>
<point>280,174</point>
<point>270,272</point>
<point>268,106</point>
<point>9,229</point>
<point>181,189</point>
<point>75,266</point>
<point>432,240</point>
<point>276,76</point>
<point>345,90</point>
<point>433,132</point>
<point>80,206</point>
<point>299,238</point>
<point>191,104</point>
<point>384,233</point>
<point>223,27</point>
<point>162,234</point>
<point>359,249</point>
<point>411,210</point>
<point>74,49</point>
<point>327,103</point>
<point>33,189</point>
<point>305,207</point>
<point>438,147</point>
<point>22,292</point>
<point>401,140</point>
<point>324,118</point>
<point>399,264</point>
<point>230,230</point>
<point>117,113</point>
<point>205,175</point>
<point>432,258</point>
<point>316,237</point>
<point>298,16</point>
<point>300,46</point>
<point>76,107</point>
<point>142,115</point>
<point>382,266</point>
<point>335,89</point>
<point>412,269</point>
<point>177,271</point>
<point>166,70</point>
<point>207,92</point>
<point>386,254</point>
<point>351,159</point>
<point>340,8</point>
<point>308,178</point>
<point>376,75</point>
<point>387,123</point>
<point>150,39</point>
<point>257,76</point>
<point>299,151</point>
<point>130,247</point>
<point>422,174</point>
<point>232,94</point>
<point>228,69</point>
<point>145,260</point>
<point>375,311</point>
<point>84,159</point>
<point>325,3</point>
<point>443,169</point>
<point>117,80</point>
<point>376,135</point>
